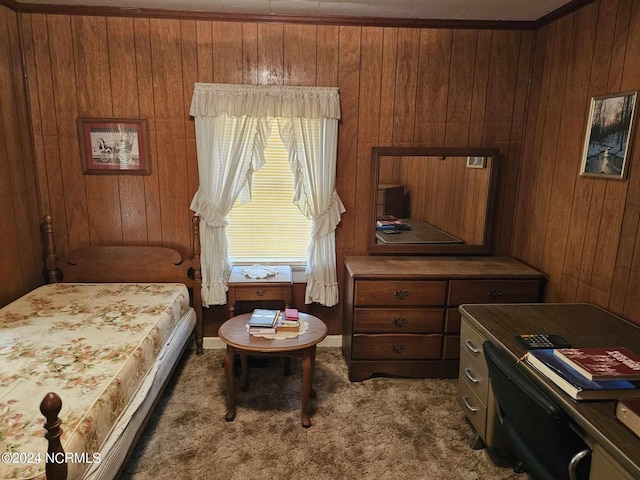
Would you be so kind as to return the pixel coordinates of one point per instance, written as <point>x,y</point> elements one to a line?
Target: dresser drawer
<point>396,347</point>
<point>401,292</point>
<point>493,291</point>
<point>396,320</point>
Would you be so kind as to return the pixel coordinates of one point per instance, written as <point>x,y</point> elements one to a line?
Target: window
<point>270,228</point>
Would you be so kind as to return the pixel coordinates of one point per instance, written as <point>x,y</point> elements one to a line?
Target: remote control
<point>542,340</point>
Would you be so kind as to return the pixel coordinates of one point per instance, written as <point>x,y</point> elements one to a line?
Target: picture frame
<point>609,135</point>
<point>114,146</point>
<point>476,162</point>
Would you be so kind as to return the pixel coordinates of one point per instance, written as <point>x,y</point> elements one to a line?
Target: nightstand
<point>241,288</point>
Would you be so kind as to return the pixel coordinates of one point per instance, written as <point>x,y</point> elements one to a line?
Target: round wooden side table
<point>234,333</point>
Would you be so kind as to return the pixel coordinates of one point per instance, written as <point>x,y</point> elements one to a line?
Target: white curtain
<point>312,146</point>
<point>240,113</point>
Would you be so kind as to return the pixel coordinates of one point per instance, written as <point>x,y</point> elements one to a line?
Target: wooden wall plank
<point>406,85</point>
<point>270,54</point>
<point>327,56</point>
<point>95,99</point>
<point>430,104</point>
<point>350,181</point>
<point>460,97</point>
<point>571,133</point>
<point>122,58</point>
<point>300,62</point>
<point>601,63</point>
<point>615,192</point>
<point>144,82</point>
<point>170,119</point>
<point>625,295</point>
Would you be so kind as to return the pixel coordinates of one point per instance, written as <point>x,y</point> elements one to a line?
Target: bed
<point>93,349</point>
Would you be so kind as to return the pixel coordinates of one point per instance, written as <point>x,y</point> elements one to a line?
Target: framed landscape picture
<point>607,144</point>
<point>114,146</point>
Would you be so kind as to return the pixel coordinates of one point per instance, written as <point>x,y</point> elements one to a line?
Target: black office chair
<point>538,430</point>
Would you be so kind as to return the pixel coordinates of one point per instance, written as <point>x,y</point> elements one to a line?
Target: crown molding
<point>42,8</point>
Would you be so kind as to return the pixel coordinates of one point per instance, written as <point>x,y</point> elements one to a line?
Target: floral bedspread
<point>92,344</point>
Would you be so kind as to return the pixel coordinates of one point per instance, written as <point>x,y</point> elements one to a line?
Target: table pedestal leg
<point>307,378</point>
<point>228,367</point>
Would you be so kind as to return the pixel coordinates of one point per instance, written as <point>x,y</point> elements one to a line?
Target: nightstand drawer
<point>396,320</point>
<point>259,292</point>
<point>396,347</point>
<point>409,293</point>
<point>493,291</point>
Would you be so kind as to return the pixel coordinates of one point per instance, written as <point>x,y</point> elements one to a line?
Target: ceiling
<point>482,10</point>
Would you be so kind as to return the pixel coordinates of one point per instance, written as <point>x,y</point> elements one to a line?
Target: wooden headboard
<point>129,264</point>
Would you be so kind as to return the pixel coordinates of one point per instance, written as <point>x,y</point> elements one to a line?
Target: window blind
<point>270,228</point>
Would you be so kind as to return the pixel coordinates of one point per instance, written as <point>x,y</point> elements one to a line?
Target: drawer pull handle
<point>260,292</point>
<point>470,407</point>
<point>401,294</point>
<point>470,376</point>
<point>471,346</point>
<point>399,321</point>
<point>397,348</point>
<point>494,294</point>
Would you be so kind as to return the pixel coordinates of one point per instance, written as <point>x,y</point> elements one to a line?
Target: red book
<point>291,314</point>
<point>597,364</point>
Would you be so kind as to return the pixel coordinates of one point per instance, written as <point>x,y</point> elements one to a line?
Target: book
<point>291,314</point>
<point>263,318</point>
<point>288,326</point>
<point>261,330</point>
<point>607,363</point>
<point>574,383</point>
<point>628,412</point>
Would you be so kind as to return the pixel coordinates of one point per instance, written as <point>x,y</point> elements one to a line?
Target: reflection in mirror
<point>431,201</point>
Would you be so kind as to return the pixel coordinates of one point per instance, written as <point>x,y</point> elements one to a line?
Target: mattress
<point>94,345</point>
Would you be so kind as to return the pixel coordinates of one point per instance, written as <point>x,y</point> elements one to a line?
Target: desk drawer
<point>262,293</point>
<point>401,292</point>
<point>396,347</point>
<point>473,408</point>
<point>475,373</point>
<point>396,320</point>
<point>493,291</point>
<point>471,347</point>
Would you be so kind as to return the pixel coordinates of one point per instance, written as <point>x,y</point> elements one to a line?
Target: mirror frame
<point>431,248</point>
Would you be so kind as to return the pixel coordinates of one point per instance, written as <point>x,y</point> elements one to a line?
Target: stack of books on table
<point>264,321</point>
<point>388,223</point>
<point>590,373</point>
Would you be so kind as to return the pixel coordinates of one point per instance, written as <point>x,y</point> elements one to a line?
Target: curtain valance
<point>216,99</point>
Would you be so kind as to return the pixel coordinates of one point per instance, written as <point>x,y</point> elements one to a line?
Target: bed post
<point>50,245</point>
<point>197,287</point>
<point>50,408</point>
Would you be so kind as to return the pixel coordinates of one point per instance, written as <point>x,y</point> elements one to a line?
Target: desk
<point>241,288</point>
<point>616,450</point>
<point>234,333</point>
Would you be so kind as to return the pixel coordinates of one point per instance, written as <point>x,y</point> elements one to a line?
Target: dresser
<point>390,200</point>
<point>401,312</point>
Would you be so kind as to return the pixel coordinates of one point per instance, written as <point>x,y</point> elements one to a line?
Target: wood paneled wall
<point>20,245</point>
<point>581,231</point>
<point>398,86</point>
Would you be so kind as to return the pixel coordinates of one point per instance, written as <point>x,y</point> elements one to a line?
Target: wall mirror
<point>431,200</point>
